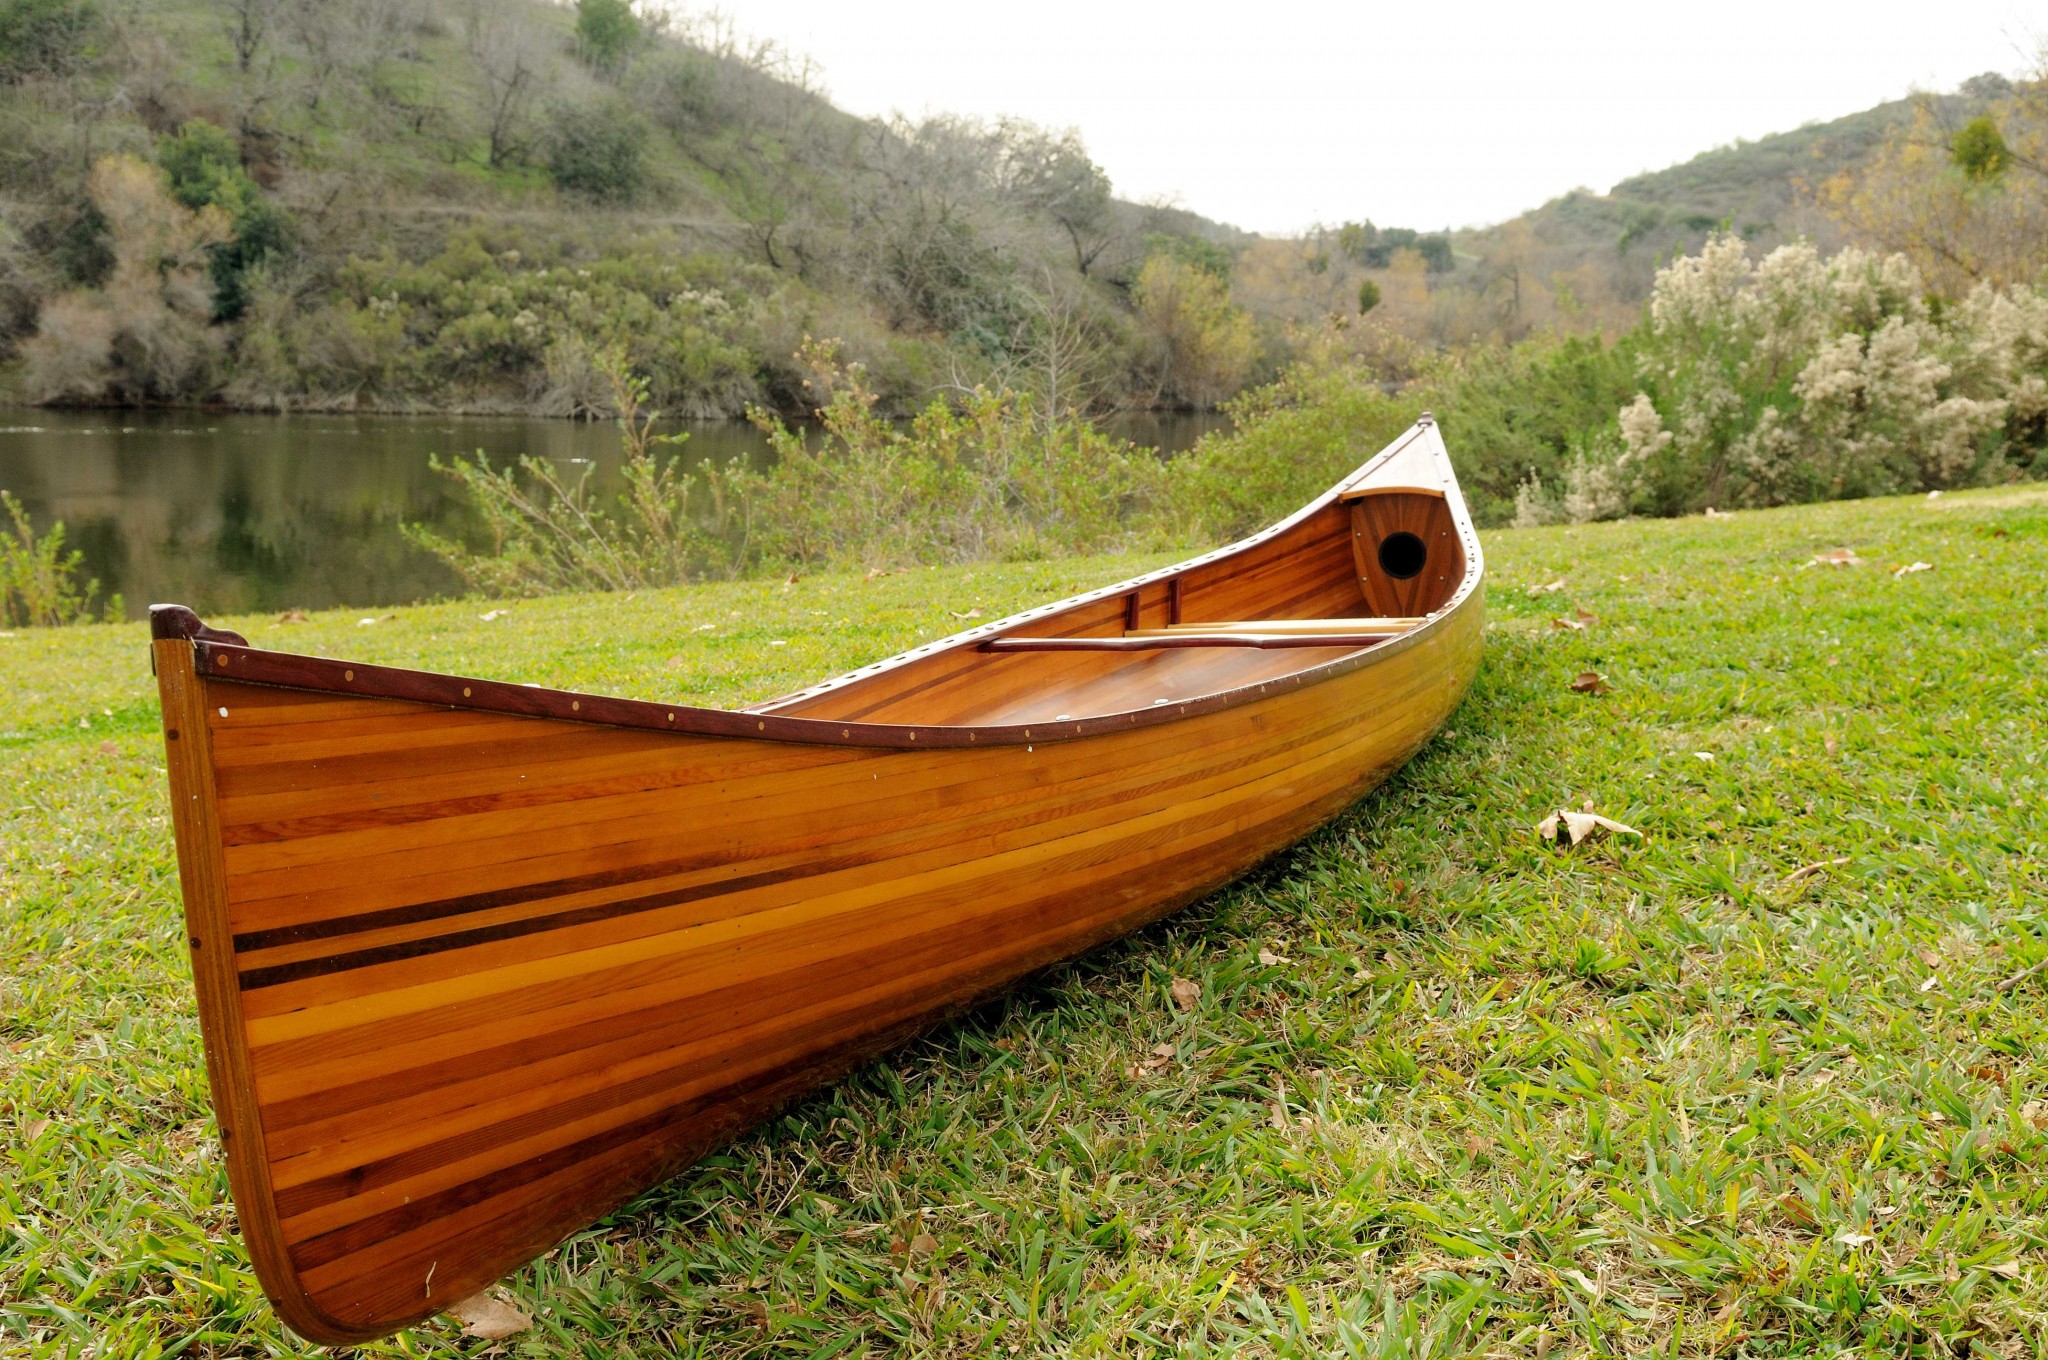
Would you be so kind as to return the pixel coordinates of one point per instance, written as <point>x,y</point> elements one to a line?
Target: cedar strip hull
<point>473,976</point>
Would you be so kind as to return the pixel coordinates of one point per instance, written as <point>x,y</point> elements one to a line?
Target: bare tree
<point>510,75</point>
<point>249,24</point>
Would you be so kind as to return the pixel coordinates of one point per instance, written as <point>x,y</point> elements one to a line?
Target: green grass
<point>1639,1097</point>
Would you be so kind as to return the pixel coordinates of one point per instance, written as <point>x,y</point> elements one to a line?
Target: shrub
<point>608,33</point>
<point>39,580</point>
<point>599,153</point>
<point>44,37</point>
<point>203,164</point>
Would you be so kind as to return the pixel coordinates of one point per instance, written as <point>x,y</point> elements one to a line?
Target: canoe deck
<point>477,962</point>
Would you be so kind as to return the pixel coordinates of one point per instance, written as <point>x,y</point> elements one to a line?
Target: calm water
<point>249,512</point>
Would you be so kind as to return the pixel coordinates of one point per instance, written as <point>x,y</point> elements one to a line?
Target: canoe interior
<point>475,964</point>
<point>1326,565</point>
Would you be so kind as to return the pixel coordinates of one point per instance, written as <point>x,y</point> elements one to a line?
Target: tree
<point>204,166</point>
<point>44,37</point>
<point>249,23</point>
<point>608,33</point>
<point>1368,296</point>
<point>1980,151</point>
<point>1049,173</point>
<point>509,77</point>
<point>1206,345</point>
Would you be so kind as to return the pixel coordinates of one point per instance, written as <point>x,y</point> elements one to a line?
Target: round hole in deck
<point>1403,555</point>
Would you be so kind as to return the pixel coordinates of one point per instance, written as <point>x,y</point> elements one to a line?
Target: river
<point>232,512</point>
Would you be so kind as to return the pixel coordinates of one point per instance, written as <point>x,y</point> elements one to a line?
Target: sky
<point>1429,114</point>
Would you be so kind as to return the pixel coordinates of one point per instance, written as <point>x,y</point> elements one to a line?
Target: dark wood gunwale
<point>228,656</point>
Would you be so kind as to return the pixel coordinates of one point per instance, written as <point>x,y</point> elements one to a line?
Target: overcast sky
<point>1278,115</point>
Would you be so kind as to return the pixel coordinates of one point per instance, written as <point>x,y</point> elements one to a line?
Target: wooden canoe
<point>476,962</point>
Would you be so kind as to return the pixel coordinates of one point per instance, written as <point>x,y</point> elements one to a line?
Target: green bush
<point>608,33</point>
<point>39,580</point>
<point>204,163</point>
<point>598,153</point>
<point>45,37</point>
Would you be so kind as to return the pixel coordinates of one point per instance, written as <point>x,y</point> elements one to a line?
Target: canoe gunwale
<point>225,655</point>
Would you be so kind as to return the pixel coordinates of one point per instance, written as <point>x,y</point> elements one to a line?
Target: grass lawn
<point>1677,1095</point>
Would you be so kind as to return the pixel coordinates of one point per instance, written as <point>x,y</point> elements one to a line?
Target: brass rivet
<point>913,736</point>
<point>348,675</point>
<point>671,717</point>
<point>465,691</point>
<point>220,660</point>
<point>761,726</point>
<point>576,705</point>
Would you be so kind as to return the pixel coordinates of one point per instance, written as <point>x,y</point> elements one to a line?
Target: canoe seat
<point>1261,633</point>
<point>1273,627</point>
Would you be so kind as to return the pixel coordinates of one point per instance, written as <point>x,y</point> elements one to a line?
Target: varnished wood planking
<point>494,968</point>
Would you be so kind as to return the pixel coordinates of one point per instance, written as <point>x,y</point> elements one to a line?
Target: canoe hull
<point>457,1020</point>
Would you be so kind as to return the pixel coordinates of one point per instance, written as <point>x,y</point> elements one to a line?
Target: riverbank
<point>1769,1076</point>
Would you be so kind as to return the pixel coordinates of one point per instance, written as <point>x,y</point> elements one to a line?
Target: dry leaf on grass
<point>2035,1112</point>
<point>1186,994</point>
<point>1569,625</point>
<point>34,1130</point>
<point>1590,682</point>
<point>1854,1239</point>
<point>1712,513</point>
<point>1912,567</point>
<point>1272,960</point>
<point>1834,557</point>
<point>876,574</point>
<point>107,748</point>
<point>755,1311</point>
<point>790,580</point>
<point>494,615</point>
<point>1930,984</point>
<point>1806,871</point>
<point>292,616</point>
<point>974,613</point>
<point>1549,589</point>
<point>2007,1270</point>
<point>1162,1056</point>
<point>488,1319</point>
<point>1569,828</point>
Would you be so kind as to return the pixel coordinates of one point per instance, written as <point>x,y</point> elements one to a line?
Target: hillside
<point>458,204</point>
<point>1607,247</point>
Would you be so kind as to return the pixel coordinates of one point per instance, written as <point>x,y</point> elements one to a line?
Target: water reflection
<point>234,512</point>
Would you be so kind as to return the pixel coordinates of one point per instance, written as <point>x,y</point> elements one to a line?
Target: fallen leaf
<point>1570,828</point>
<point>1834,557</point>
<point>970,614</point>
<point>488,1319</point>
<point>1186,994</point>
<point>107,748</point>
<point>1806,871</point>
<point>1272,960</point>
<point>1912,567</point>
<point>1831,743</point>
<point>292,616</point>
<point>1931,983</point>
<point>1712,513</point>
<point>1590,682</point>
<point>777,642</point>
<point>791,580</point>
<point>1934,495</point>
<point>1586,617</point>
<point>1162,1050</point>
<point>924,1244</point>
<point>874,573</point>
<point>756,1312</point>
<point>492,616</point>
<point>364,623</point>
<point>1279,1103</point>
<point>1707,756</point>
<point>1570,625</point>
<point>34,1130</point>
<point>2006,1270</point>
<point>1854,1239</point>
<point>1551,589</point>
<point>2035,1112</point>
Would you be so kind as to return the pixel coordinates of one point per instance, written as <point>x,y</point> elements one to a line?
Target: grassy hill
<point>1767,1080</point>
<point>454,203</point>
<point>1763,190</point>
